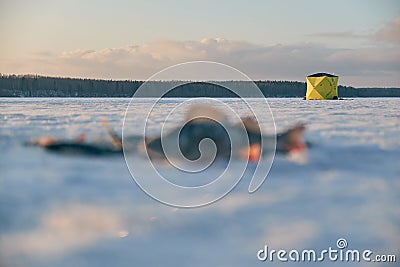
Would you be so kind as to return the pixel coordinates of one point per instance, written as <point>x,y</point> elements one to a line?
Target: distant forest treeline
<point>42,86</point>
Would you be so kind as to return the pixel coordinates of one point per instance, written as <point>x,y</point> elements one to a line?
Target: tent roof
<point>321,74</point>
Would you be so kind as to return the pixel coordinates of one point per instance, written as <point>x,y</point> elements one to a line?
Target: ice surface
<point>77,211</point>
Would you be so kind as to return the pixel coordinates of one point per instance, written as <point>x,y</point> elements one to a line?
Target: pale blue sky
<point>31,29</point>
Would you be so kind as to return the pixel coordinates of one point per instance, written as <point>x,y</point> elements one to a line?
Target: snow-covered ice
<point>60,210</point>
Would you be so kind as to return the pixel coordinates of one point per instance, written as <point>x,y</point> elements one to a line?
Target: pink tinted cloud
<point>390,32</point>
<point>280,62</point>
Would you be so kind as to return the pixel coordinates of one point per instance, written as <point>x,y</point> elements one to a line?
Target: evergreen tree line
<point>42,86</point>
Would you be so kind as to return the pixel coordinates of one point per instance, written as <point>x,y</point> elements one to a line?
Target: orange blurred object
<point>253,153</point>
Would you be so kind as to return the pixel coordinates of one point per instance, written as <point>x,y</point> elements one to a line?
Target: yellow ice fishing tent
<point>322,86</point>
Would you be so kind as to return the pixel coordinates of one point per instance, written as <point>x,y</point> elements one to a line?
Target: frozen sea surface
<point>79,211</point>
